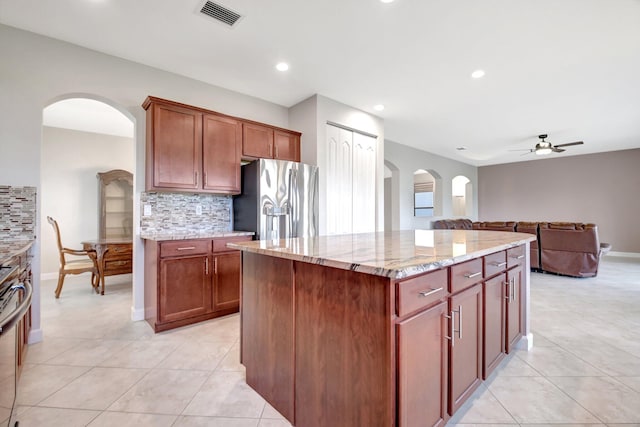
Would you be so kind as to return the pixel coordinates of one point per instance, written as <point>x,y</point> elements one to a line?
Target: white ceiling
<point>568,68</point>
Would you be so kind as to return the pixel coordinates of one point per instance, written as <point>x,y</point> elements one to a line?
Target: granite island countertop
<point>184,235</point>
<point>12,248</point>
<point>395,254</point>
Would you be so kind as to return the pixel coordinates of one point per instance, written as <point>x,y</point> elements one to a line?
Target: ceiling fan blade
<point>522,149</point>
<point>530,151</point>
<point>569,144</point>
<point>557,150</point>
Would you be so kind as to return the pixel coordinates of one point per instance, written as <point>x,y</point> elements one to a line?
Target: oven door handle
<point>22,308</point>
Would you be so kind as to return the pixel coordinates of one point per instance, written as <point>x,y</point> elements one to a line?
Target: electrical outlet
<point>146,211</point>
<point>198,209</point>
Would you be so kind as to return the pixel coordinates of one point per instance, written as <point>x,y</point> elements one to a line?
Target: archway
<point>427,193</point>
<point>391,196</point>
<point>83,134</point>
<point>462,196</point>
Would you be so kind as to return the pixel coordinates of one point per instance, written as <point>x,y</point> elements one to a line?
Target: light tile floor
<point>95,367</point>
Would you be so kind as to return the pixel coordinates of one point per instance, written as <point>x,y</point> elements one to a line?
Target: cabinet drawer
<point>220,245</point>
<point>515,256</point>
<point>118,252</point>
<point>113,267</point>
<point>466,274</point>
<point>185,248</point>
<point>422,291</point>
<point>495,263</point>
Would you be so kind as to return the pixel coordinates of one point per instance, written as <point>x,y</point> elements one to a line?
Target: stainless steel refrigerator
<point>279,200</point>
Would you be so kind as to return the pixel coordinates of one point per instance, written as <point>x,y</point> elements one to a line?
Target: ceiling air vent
<point>220,13</point>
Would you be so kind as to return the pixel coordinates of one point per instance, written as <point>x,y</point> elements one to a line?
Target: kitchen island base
<point>329,346</point>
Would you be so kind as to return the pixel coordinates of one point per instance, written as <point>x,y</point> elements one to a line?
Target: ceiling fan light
<point>543,151</point>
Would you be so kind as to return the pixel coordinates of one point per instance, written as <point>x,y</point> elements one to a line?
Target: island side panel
<point>267,329</point>
<point>344,346</point>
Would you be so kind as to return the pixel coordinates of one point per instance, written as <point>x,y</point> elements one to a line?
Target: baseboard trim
<point>624,254</point>
<point>35,335</point>
<point>48,276</point>
<point>137,314</point>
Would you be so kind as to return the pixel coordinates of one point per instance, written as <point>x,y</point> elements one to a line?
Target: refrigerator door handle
<point>289,207</point>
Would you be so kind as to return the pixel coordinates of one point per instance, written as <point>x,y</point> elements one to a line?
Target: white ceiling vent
<point>221,13</point>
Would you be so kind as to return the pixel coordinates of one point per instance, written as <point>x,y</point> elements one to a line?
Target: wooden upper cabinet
<point>197,150</point>
<point>174,149</point>
<point>264,142</point>
<point>257,141</point>
<point>221,148</point>
<point>286,146</point>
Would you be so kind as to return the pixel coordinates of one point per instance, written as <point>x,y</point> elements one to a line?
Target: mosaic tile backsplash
<point>17,212</point>
<point>179,212</point>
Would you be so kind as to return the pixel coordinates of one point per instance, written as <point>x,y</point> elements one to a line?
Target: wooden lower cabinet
<point>422,380</point>
<point>514,323</point>
<point>465,357</point>
<point>184,288</point>
<point>188,281</point>
<point>493,338</point>
<point>226,281</point>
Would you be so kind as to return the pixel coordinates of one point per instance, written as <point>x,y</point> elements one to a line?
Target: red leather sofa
<point>567,248</point>
<point>452,224</point>
<point>570,248</point>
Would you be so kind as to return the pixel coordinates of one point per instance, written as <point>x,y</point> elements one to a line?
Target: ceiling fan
<point>543,147</point>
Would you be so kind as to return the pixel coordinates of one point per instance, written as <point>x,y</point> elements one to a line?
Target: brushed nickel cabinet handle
<point>187,248</point>
<point>451,338</point>
<point>508,296</point>
<point>195,179</point>
<point>204,174</point>
<point>431,292</point>
<point>500,264</point>
<point>460,321</point>
<point>471,276</point>
<point>206,266</point>
<point>215,266</point>
<point>276,151</point>
<point>518,256</point>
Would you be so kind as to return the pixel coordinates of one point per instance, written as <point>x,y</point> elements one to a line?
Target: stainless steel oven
<point>15,298</point>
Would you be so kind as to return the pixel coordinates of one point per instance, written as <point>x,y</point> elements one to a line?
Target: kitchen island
<point>367,329</point>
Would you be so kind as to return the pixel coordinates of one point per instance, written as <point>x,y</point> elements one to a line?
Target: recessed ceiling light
<point>282,66</point>
<point>463,148</point>
<point>386,1</point>
<point>477,74</point>
<point>378,107</point>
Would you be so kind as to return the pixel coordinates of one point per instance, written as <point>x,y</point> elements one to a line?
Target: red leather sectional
<point>567,248</point>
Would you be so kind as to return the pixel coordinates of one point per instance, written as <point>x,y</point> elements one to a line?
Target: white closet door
<point>364,183</point>
<point>339,180</point>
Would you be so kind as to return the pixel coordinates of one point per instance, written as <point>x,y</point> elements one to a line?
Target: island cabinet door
<point>514,306</point>
<point>184,288</point>
<point>493,336</point>
<point>422,368</point>
<point>465,356</point>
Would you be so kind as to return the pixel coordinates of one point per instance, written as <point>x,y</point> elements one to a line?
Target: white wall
<point>598,188</point>
<point>70,161</point>
<point>36,71</point>
<point>408,160</point>
<point>314,137</point>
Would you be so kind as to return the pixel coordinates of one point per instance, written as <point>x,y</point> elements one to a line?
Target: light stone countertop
<point>396,254</point>
<point>11,248</point>
<point>183,235</point>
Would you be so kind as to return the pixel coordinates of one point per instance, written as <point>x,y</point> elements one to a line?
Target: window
<point>423,194</point>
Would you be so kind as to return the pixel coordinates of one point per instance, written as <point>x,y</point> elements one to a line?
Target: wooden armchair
<point>76,266</point>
